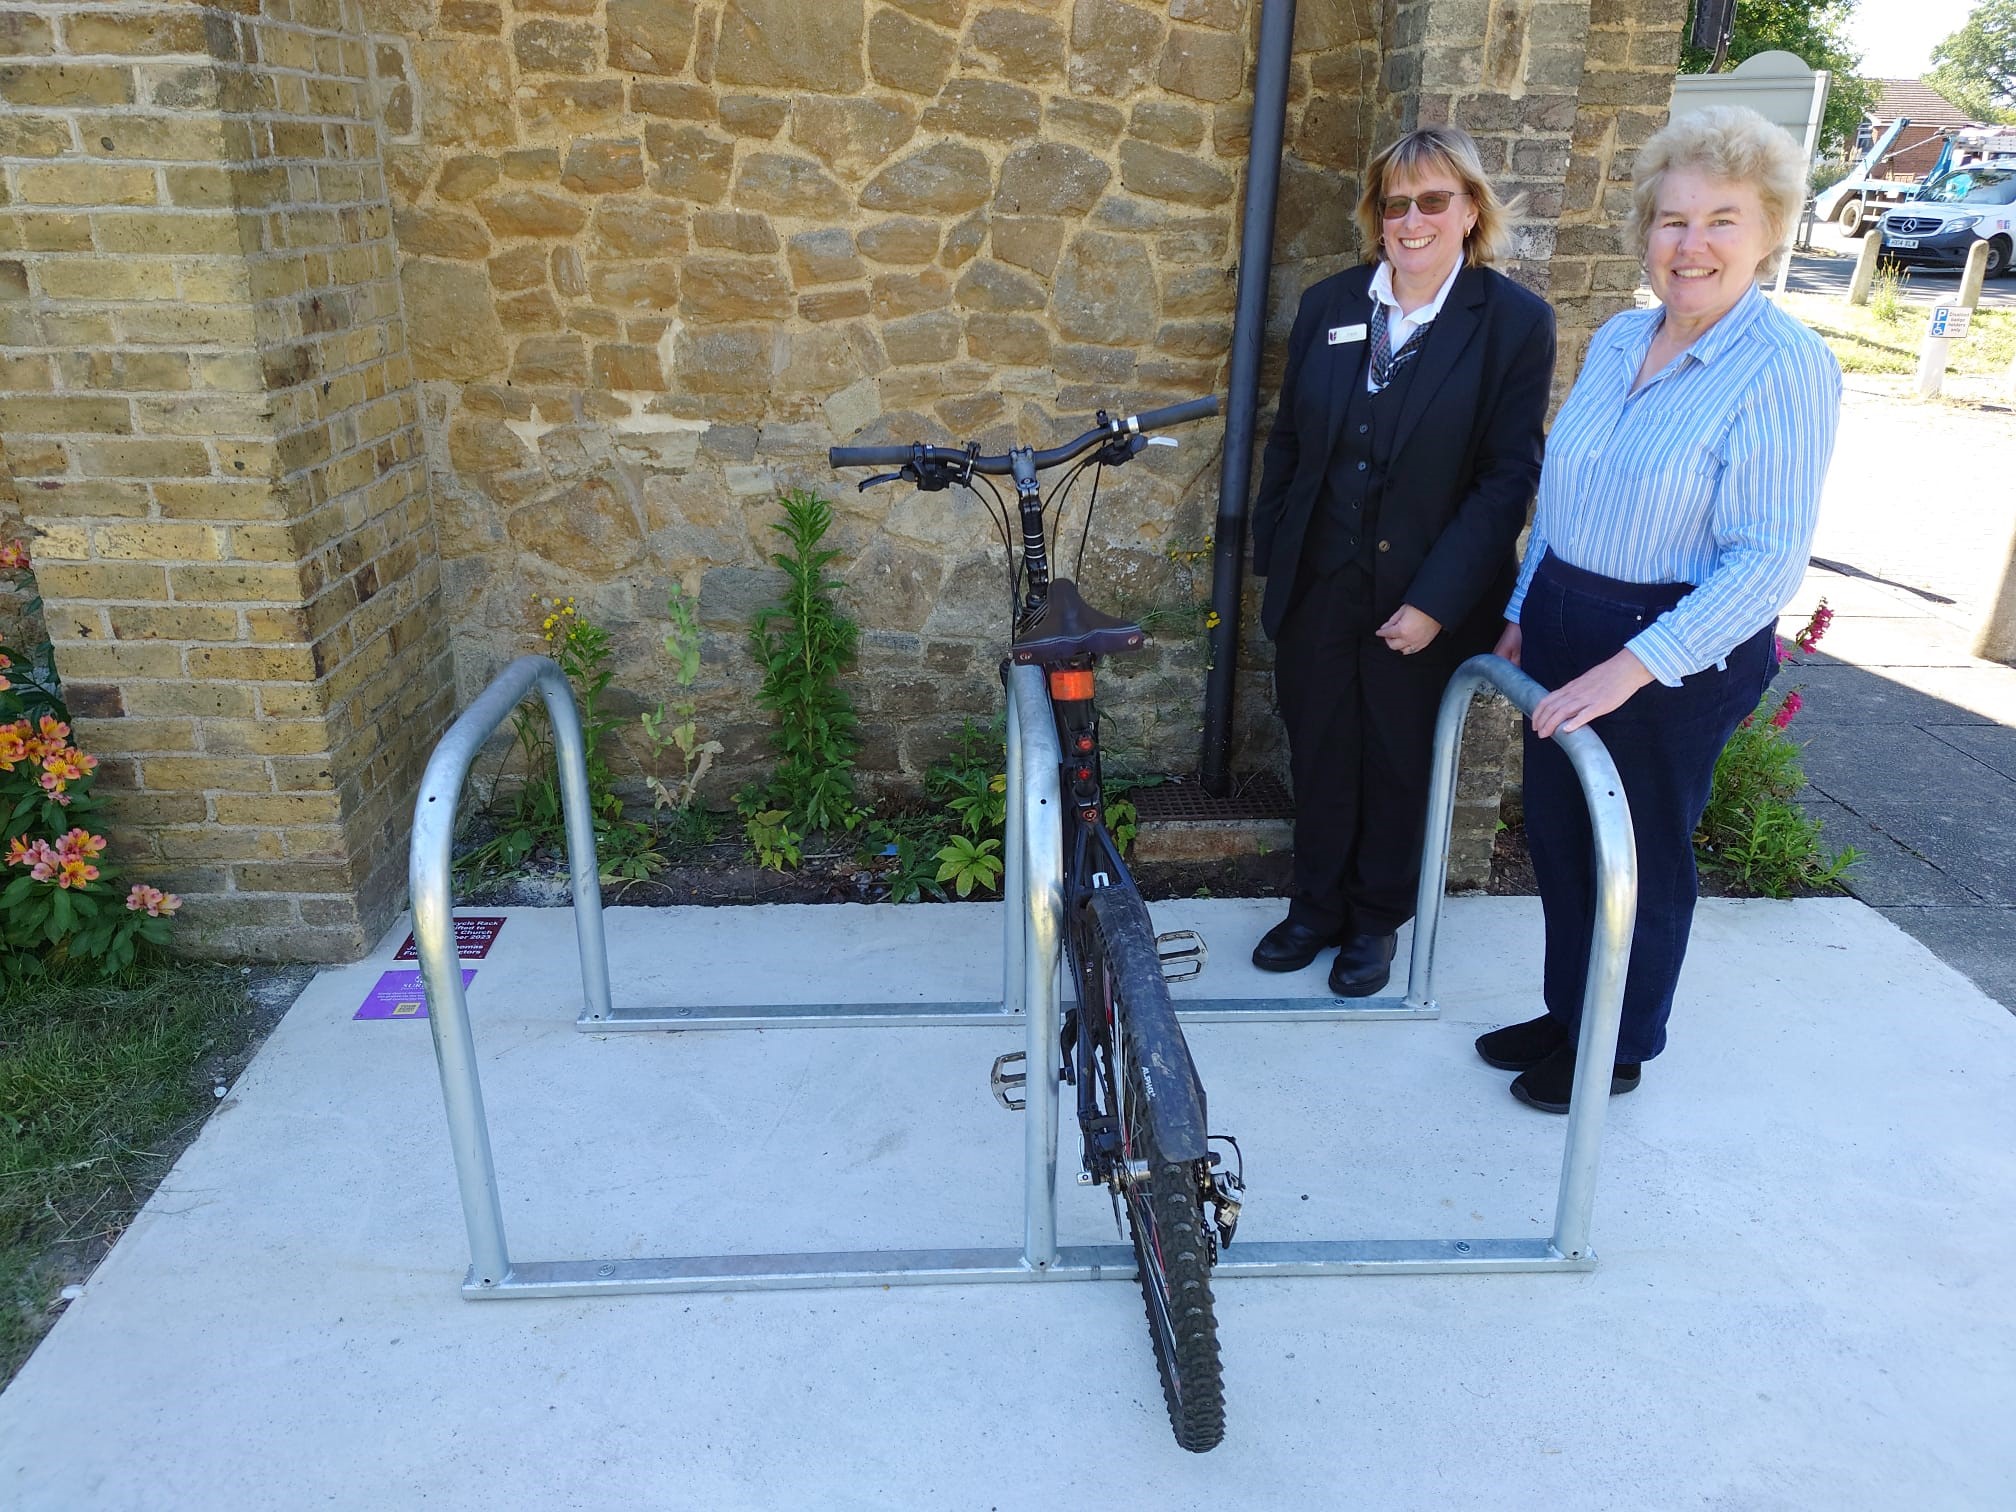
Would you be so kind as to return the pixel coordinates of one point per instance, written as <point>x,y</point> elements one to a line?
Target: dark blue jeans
<point>1665,742</point>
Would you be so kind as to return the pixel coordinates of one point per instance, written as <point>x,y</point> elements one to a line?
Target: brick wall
<point>212,428</point>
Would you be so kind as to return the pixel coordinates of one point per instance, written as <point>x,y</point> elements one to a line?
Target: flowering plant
<point>61,900</point>
<point>1753,829</point>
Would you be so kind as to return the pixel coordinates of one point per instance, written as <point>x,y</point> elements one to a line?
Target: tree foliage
<point>1815,32</point>
<point>1975,68</point>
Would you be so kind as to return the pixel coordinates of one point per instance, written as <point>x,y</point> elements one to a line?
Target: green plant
<point>802,645</point>
<point>968,863</point>
<point>1886,294</point>
<point>682,644</point>
<point>970,782</point>
<point>776,844</point>
<point>30,688</point>
<point>532,820</point>
<point>1123,819</point>
<point>910,870</point>
<point>1753,830</point>
<point>64,907</point>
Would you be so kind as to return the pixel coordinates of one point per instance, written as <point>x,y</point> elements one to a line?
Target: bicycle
<point>1141,1107</point>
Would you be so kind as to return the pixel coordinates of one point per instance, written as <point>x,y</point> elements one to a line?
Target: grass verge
<point>101,1087</point>
<point>1886,338</point>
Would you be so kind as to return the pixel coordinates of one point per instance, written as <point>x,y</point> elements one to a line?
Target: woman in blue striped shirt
<point>1676,509</point>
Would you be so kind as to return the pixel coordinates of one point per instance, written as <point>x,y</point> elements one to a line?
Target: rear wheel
<point>1164,1192</point>
<point>1998,256</point>
<point>1848,216</point>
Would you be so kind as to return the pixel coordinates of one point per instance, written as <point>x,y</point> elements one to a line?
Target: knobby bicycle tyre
<point>1162,1121</point>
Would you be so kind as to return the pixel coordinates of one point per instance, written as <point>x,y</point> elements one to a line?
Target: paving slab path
<point>1911,749</point>
<point>1799,1302</point>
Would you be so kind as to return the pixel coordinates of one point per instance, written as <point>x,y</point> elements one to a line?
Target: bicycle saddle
<point>1067,626</point>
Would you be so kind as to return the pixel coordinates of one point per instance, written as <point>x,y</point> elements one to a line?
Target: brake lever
<point>868,483</point>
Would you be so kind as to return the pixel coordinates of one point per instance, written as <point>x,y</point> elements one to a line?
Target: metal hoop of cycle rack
<point>1033,886</point>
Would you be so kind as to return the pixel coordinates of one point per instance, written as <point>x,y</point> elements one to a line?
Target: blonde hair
<point>1731,143</point>
<point>1432,147</point>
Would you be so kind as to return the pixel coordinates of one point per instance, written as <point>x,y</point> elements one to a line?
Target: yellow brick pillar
<point>214,435</point>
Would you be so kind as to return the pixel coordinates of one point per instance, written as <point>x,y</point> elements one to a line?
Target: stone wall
<point>212,429</point>
<point>659,256</point>
<point>336,333</point>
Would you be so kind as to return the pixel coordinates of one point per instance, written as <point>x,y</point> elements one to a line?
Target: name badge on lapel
<point>1339,335</point>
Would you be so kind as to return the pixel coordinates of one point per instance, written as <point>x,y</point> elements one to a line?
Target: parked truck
<point>1858,201</point>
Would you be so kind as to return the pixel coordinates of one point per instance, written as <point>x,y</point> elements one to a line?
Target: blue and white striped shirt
<point>1710,474</point>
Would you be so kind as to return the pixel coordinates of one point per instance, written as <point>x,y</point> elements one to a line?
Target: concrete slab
<point>1886,873</point>
<point>1835,693</point>
<point>1991,745</point>
<point>1973,939</point>
<point>1801,1300</point>
<point>1865,772</point>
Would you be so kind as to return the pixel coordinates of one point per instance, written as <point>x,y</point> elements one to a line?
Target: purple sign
<point>474,936</point>
<point>399,994</point>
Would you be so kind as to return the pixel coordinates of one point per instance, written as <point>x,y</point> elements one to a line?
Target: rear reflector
<point>1071,686</point>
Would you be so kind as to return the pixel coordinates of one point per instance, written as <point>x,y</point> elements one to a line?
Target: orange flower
<point>13,749</point>
<point>54,730</point>
<point>75,873</point>
<point>14,556</point>
<point>81,842</point>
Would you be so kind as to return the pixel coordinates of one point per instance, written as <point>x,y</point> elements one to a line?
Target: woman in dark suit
<point>1395,481</point>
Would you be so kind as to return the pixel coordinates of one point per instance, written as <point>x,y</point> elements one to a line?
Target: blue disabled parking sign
<point>1949,322</point>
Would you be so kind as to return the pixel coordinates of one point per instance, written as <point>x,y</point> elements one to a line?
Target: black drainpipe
<point>1242,405</point>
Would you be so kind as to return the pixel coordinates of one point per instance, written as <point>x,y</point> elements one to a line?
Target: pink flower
<point>1816,627</point>
<point>1778,642</point>
<point>158,905</point>
<point>1792,705</point>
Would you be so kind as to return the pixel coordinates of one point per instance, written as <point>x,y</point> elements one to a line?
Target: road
<point>1828,267</point>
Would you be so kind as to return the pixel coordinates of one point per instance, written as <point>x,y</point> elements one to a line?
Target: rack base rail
<point>1033,885</point>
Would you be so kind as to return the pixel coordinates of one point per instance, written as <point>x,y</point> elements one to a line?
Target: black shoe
<point>1547,1085</point>
<point>1363,964</point>
<point>1521,1047</point>
<point>1289,946</point>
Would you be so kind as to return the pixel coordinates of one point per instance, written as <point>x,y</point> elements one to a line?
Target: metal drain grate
<point>1256,795</point>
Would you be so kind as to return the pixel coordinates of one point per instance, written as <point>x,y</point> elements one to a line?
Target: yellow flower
<point>1211,620</point>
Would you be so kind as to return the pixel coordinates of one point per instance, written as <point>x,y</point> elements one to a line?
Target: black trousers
<point>1361,727</point>
<point>1665,742</point>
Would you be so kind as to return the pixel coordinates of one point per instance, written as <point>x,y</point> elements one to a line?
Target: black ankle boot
<point>1363,964</point>
<point>1521,1047</point>
<point>1548,1085</point>
<point>1289,946</point>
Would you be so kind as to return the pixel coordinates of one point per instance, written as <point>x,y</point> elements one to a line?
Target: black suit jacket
<point>1466,449</point>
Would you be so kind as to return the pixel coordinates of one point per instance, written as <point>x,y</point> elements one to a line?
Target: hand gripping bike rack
<point>1033,886</point>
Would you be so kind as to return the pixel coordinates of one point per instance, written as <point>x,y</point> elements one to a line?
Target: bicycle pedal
<point>1004,1082</point>
<point>1183,954</point>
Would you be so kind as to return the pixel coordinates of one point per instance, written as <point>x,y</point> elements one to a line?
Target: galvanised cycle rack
<point>1033,884</point>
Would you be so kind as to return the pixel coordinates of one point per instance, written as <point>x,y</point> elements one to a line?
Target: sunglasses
<point>1434,202</point>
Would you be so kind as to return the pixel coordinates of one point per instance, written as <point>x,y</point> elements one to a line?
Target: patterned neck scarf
<point>1385,361</point>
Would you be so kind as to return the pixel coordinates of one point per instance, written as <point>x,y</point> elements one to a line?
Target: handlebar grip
<point>1176,414</point>
<point>869,456</point>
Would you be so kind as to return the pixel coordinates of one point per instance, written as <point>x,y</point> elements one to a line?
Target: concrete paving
<point>1911,740</point>
<point>1802,1221</point>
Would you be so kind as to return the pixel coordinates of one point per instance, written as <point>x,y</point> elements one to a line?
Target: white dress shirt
<point>1400,326</point>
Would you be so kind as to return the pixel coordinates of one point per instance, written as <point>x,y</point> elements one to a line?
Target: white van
<point>1936,230</point>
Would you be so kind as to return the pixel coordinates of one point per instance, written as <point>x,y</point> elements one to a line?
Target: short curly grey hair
<point>1726,142</point>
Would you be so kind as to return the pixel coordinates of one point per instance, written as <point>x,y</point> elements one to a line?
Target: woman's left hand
<point>1408,630</point>
<point>1602,688</point>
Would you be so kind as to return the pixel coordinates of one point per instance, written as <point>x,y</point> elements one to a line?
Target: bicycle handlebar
<point>896,456</point>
